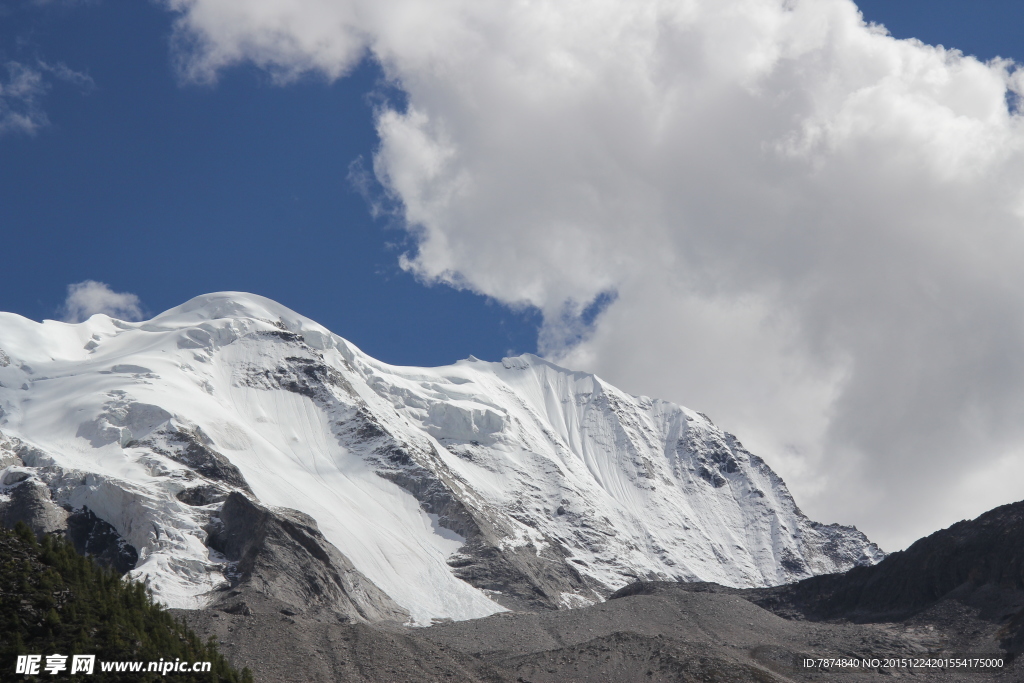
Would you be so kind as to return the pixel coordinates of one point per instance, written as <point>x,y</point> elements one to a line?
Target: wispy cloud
<point>62,72</point>
<point>89,297</point>
<point>812,230</point>
<point>22,91</point>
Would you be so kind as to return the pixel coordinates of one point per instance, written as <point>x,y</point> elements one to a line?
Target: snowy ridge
<point>447,487</point>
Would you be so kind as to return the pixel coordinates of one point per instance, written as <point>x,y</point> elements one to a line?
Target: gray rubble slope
<point>674,635</point>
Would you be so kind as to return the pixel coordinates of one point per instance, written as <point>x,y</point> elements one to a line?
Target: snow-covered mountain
<point>231,443</point>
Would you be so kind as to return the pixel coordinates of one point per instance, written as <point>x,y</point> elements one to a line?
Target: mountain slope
<point>449,492</point>
<point>978,562</point>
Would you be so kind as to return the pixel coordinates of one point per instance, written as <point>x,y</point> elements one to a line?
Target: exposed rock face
<point>192,448</point>
<point>283,555</point>
<point>202,495</point>
<point>29,501</point>
<point>457,492</point>
<point>94,537</point>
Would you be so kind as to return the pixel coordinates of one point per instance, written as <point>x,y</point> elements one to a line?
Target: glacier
<point>457,491</point>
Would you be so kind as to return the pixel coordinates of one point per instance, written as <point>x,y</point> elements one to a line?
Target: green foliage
<point>55,601</point>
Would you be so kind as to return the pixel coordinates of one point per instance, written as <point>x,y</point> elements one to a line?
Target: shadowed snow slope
<point>458,491</point>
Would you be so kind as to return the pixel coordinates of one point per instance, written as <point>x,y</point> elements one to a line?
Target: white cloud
<point>89,297</point>
<point>814,230</point>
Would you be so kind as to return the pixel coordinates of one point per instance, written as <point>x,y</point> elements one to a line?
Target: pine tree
<point>53,600</point>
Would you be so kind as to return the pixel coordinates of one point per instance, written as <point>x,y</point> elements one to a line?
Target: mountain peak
<point>454,492</point>
<point>221,305</point>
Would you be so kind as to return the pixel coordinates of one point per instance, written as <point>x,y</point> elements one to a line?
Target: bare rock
<point>30,502</point>
<point>281,554</point>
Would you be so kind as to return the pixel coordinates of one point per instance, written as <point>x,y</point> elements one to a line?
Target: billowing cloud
<point>798,224</point>
<point>89,297</point>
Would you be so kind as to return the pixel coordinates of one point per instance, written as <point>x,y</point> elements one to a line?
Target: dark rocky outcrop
<point>97,539</point>
<point>192,448</point>
<point>204,494</point>
<point>519,579</point>
<point>30,503</point>
<point>281,555</point>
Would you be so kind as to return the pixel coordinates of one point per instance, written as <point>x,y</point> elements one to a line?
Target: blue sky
<point>170,191</point>
<point>821,253</point>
